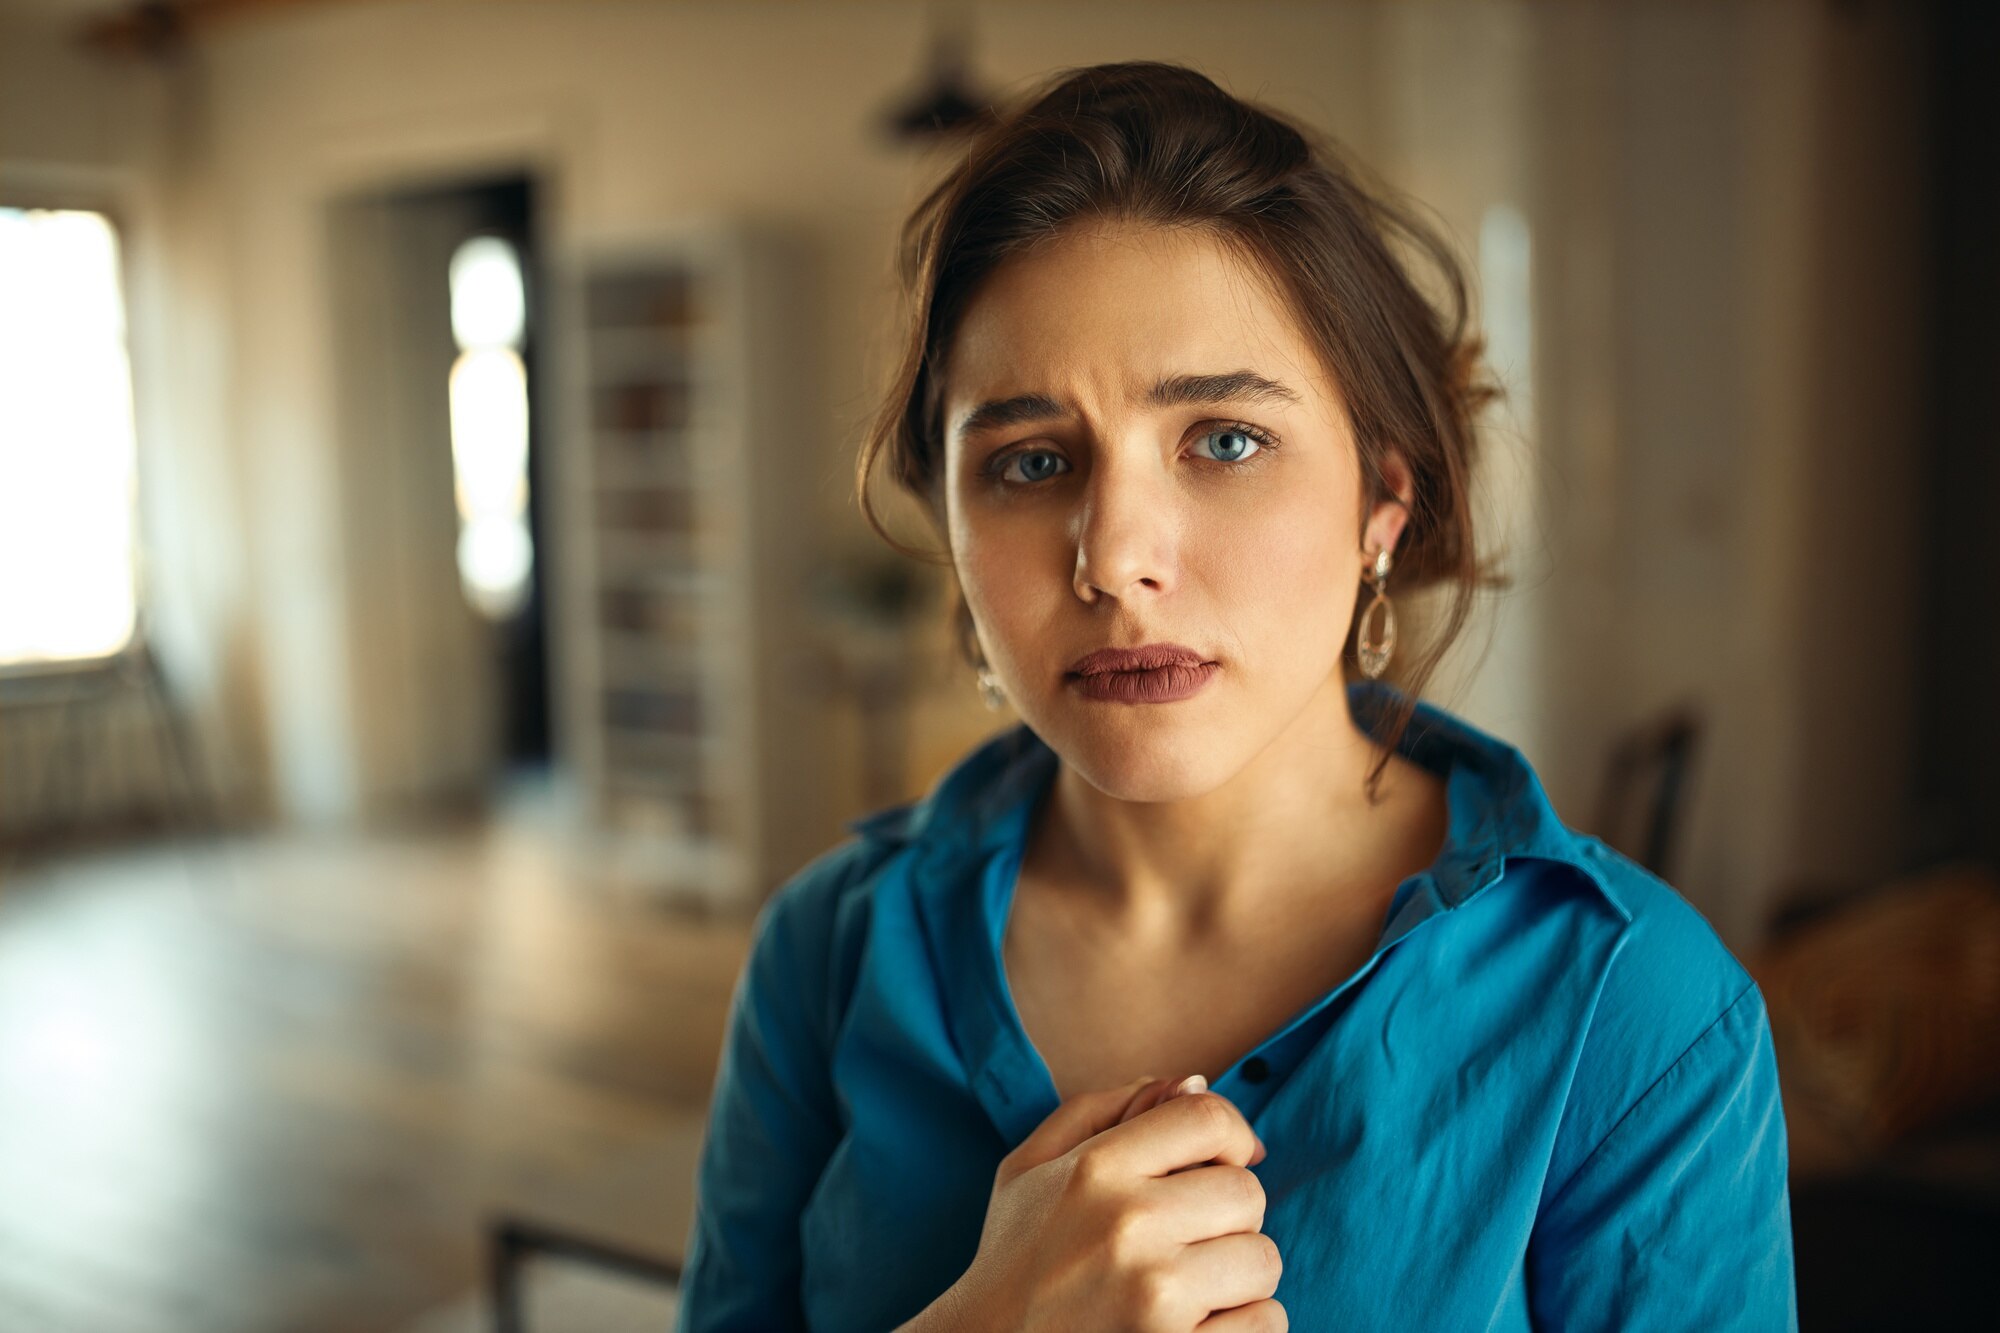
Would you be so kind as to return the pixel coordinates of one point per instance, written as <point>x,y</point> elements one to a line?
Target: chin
<point>1138,754</point>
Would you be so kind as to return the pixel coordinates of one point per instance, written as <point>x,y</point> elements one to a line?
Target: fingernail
<point>1192,1083</point>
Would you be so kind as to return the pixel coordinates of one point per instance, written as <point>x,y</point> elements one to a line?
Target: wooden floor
<point>279,1084</point>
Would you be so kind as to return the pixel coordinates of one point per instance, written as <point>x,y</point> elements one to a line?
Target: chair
<point>1639,808</point>
<point>512,1240</point>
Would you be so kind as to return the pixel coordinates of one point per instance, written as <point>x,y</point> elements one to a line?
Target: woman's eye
<point>1233,444</point>
<point>1032,465</point>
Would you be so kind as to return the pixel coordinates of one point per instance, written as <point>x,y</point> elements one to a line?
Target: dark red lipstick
<point>1155,673</point>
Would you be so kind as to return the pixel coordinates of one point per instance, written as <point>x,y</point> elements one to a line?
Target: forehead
<point>1104,310</point>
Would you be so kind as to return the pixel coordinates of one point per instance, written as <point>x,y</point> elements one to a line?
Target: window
<point>489,426</point>
<point>68,455</point>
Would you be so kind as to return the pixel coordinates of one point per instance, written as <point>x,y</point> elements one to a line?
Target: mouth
<point>1152,674</point>
<point>1146,657</point>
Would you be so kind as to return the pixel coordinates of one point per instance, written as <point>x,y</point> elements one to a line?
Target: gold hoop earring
<point>1374,651</point>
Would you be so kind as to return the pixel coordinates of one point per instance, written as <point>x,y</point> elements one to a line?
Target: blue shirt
<point>1548,1100</point>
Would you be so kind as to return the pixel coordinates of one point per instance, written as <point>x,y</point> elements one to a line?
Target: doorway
<point>498,249</point>
<point>445,502</point>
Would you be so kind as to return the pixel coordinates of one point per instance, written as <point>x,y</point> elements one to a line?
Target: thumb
<point>1072,1124</point>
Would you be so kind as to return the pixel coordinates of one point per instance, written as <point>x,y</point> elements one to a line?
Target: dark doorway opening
<point>506,209</point>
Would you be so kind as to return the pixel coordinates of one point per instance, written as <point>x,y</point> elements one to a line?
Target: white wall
<point>1701,185</point>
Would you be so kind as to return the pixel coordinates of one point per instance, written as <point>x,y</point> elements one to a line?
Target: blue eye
<point>1036,465</point>
<point>1237,444</point>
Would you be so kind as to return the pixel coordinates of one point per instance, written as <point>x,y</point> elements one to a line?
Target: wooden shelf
<point>675,691</point>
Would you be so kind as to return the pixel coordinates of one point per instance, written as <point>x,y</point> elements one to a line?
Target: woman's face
<point>1142,448</point>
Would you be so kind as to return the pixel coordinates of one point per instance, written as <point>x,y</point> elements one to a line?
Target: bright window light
<point>489,426</point>
<point>1506,280</point>
<point>67,448</point>
<point>489,432</point>
<point>488,308</point>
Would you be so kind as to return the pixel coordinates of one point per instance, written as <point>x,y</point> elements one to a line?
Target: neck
<point>1294,816</point>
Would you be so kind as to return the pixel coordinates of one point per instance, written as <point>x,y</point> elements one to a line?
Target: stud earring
<point>990,692</point>
<point>1373,650</point>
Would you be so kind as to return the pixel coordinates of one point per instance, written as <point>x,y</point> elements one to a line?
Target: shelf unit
<point>688,491</point>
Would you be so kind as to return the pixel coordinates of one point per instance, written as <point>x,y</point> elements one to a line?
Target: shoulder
<point>1671,967</point>
<point>830,884</point>
<point>818,918</point>
<point>1672,992</point>
<point>807,937</point>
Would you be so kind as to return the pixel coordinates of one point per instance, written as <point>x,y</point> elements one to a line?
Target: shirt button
<point>1256,1069</point>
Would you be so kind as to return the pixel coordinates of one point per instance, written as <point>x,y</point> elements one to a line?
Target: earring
<point>1374,656</point>
<point>990,692</point>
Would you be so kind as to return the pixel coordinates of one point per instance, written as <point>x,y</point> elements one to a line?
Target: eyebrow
<point>1235,386</point>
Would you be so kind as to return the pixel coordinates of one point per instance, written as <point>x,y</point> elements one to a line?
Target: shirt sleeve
<point>1680,1218</point>
<point>772,1125</point>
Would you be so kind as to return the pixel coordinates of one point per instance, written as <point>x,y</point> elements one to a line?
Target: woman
<point>1222,992</point>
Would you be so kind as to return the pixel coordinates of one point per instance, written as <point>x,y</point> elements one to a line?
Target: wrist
<point>949,1313</point>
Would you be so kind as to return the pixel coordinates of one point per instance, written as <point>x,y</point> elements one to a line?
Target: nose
<point>1125,533</point>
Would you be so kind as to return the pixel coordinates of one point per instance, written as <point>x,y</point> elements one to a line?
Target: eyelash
<point>1263,439</point>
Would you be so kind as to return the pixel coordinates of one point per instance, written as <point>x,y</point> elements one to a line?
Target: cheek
<point>1281,567</point>
<point>998,570</point>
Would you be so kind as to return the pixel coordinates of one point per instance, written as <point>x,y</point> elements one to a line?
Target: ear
<point>1383,527</point>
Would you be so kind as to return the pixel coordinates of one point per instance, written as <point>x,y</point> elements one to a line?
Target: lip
<point>1146,657</point>
<point>1155,673</point>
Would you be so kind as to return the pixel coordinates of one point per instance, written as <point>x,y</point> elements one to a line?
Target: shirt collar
<point>1498,808</point>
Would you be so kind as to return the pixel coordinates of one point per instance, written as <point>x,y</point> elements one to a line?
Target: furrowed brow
<point>1236,386</point>
<point>1019,410</point>
<point>1206,390</point>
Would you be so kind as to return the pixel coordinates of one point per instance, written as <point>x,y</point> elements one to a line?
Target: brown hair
<point>1162,144</point>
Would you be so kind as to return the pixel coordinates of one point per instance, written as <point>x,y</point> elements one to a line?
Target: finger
<point>1145,1087</point>
<point>1230,1271</point>
<point>1156,1091</point>
<point>1204,1202</point>
<point>1197,1083</point>
<point>1256,1317</point>
<point>1195,1128</point>
<point>1074,1122</point>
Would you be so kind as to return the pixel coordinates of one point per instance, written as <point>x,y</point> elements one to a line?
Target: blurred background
<point>433,614</point>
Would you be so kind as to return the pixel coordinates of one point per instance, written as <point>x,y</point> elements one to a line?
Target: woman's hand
<point>1128,1209</point>
<point>1156,1090</point>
